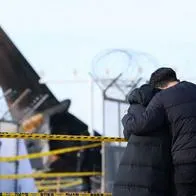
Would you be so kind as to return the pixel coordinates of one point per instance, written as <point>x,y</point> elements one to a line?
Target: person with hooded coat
<point>145,167</point>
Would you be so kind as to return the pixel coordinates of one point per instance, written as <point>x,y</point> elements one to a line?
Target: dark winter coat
<point>176,105</point>
<point>146,164</point>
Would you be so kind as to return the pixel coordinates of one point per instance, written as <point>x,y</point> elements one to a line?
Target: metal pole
<point>58,184</point>
<point>103,149</point>
<point>91,118</point>
<point>17,162</point>
<point>119,122</point>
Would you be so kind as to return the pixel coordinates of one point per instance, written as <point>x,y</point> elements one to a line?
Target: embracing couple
<point>160,126</point>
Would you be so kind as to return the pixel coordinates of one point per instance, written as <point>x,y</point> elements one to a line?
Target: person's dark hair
<point>162,76</point>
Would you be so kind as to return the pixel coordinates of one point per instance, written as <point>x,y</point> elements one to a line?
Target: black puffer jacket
<point>177,105</point>
<point>146,164</point>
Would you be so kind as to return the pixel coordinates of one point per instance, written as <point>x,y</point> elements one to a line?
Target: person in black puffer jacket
<point>176,104</point>
<point>145,168</point>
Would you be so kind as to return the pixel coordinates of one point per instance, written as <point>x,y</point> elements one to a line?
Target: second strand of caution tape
<point>50,175</point>
<point>52,152</point>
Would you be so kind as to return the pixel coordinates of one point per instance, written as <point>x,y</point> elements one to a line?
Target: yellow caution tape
<point>61,137</point>
<point>54,187</point>
<point>50,175</point>
<point>53,152</point>
<point>56,194</point>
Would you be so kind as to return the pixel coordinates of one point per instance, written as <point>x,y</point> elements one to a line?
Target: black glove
<point>142,95</point>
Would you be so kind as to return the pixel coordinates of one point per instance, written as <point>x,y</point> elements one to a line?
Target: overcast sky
<point>59,36</point>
